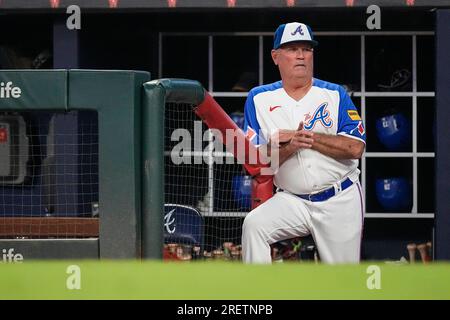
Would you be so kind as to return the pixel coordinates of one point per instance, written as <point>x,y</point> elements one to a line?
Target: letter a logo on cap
<point>293,31</point>
<point>298,30</point>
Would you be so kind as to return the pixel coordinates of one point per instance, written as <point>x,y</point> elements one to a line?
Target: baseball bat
<point>423,252</point>
<point>412,252</point>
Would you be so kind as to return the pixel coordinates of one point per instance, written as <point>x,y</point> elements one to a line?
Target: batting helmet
<point>394,194</point>
<point>394,131</point>
<point>238,118</point>
<point>242,191</point>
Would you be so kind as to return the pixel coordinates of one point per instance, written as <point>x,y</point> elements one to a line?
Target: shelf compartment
<point>270,73</point>
<point>425,63</point>
<point>176,64</point>
<point>426,185</point>
<point>426,124</point>
<point>380,168</point>
<point>376,108</point>
<point>244,74</point>
<point>384,57</point>
<point>327,68</point>
<point>388,238</point>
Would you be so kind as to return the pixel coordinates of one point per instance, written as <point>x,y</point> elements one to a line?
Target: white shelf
<point>393,94</point>
<point>406,215</point>
<point>225,214</point>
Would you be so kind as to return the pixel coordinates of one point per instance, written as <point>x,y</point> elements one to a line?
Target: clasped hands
<point>296,139</point>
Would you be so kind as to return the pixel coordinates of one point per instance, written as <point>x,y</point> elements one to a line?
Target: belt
<point>325,194</point>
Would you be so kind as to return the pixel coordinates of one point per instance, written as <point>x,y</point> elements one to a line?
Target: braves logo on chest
<point>320,115</point>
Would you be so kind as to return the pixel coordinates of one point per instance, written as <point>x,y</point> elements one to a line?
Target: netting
<point>207,193</point>
<point>48,174</point>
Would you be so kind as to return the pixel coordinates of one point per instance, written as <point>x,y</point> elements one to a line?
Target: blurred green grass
<point>221,280</point>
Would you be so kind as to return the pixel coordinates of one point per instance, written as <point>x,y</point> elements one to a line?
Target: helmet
<point>394,131</point>
<point>242,191</point>
<point>238,118</point>
<point>394,193</point>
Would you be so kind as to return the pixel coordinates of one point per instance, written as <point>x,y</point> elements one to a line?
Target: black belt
<point>325,194</point>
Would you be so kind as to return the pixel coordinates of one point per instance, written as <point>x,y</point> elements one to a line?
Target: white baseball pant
<point>335,225</point>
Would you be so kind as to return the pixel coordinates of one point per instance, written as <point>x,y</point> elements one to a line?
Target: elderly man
<point>319,137</point>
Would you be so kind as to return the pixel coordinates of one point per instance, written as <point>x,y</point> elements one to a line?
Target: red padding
<point>235,142</point>
<point>261,191</point>
<point>215,117</point>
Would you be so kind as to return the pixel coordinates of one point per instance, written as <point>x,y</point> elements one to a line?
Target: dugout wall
<point>156,94</point>
<point>83,174</point>
<point>112,228</point>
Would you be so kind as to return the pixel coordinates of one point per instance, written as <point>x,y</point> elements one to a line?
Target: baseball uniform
<point>316,194</point>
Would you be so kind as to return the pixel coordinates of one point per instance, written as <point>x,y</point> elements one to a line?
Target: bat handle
<point>412,252</point>
<point>423,252</point>
<point>430,249</point>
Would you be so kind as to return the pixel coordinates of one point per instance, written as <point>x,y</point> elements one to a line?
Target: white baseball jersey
<point>326,108</point>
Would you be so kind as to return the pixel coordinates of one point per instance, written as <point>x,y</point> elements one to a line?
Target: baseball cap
<point>293,32</point>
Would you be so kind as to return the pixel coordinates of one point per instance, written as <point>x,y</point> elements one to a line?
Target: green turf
<point>156,280</point>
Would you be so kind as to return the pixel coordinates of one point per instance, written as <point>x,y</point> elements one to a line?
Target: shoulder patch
<point>353,114</point>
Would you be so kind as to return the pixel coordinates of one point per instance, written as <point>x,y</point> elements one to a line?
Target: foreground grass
<point>157,280</point>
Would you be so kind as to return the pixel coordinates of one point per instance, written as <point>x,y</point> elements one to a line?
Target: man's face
<point>295,60</point>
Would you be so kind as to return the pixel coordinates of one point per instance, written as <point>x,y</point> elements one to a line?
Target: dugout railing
<point>156,94</point>
<point>185,105</point>
<point>184,95</point>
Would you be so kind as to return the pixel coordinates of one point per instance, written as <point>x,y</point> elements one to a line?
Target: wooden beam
<point>48,227</point>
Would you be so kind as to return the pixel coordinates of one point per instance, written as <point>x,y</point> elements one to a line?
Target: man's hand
<point>282,137</point>
<point>302,138</point>
<point>285,143</point>
<point>299,138</point>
